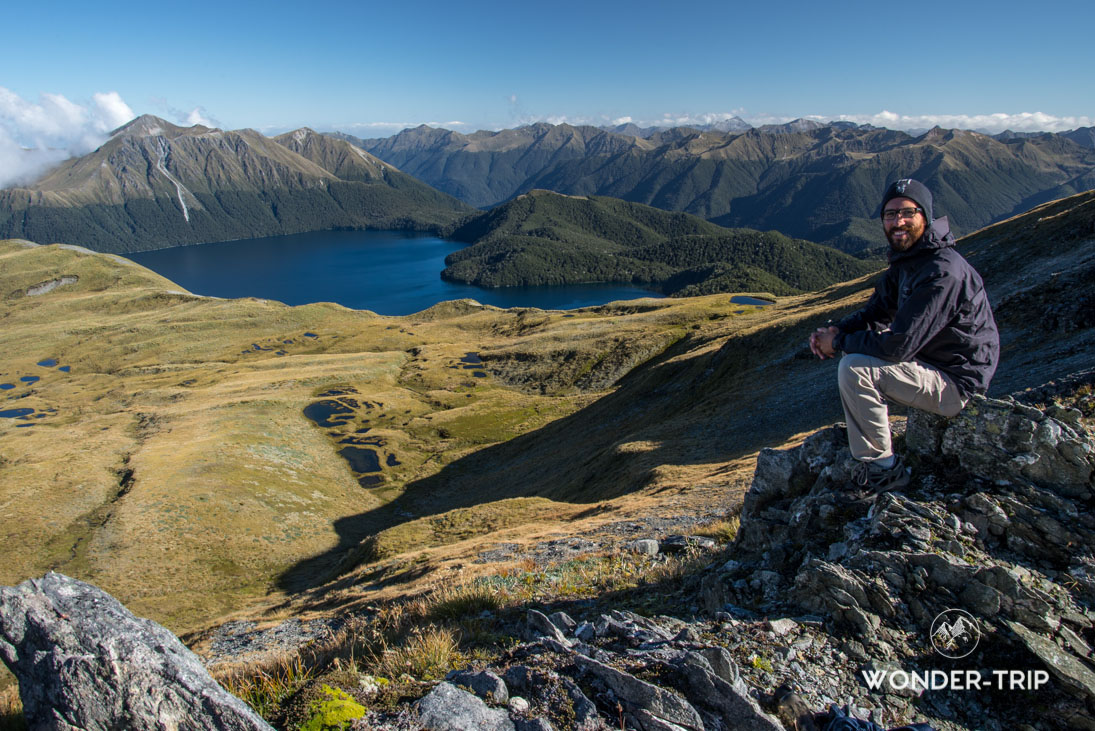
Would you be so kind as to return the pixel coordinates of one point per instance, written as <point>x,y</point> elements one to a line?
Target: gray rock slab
<point>643,699</point>
<point>539,623</point>
<point>85,662</point>
<point>563,621</point>
<point>535,724</point>
<point>448,708</point>
<point>483,683</point>
<point>643,546</point>
<point>1073,674</point>
<point>732,701</point>
<point>586,717</point>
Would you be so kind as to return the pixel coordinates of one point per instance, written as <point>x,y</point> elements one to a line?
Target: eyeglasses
<point>894,214</point>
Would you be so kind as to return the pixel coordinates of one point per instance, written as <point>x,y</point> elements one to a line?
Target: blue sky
<point>71,70</point>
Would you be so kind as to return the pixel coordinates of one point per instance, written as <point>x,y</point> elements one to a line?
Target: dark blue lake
<point>388,272</point>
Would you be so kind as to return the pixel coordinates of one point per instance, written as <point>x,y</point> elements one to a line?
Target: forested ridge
<point>544,238</point>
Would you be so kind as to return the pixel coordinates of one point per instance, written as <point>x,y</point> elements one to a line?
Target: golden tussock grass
<point>11,710</point>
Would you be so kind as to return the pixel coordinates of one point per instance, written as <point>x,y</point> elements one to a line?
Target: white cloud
<point>991,123</point>
<point>685,120</point>
<point>35,136</point>
<point>182,117</point>
<point>112,109</point>
<point>197,116</point>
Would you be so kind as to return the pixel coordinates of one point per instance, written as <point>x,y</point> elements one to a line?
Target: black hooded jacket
<point>933,307</point>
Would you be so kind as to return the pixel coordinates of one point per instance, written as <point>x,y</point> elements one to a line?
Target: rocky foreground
<point>964,601</point>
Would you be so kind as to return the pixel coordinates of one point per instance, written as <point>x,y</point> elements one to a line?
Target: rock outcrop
<point>648,674</point>
<point>996,522</point>
<point>85,662</point>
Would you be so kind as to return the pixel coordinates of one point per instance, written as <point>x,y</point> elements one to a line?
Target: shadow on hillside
<point>754,391</point>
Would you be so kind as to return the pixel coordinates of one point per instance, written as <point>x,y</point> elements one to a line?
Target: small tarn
<point>354,439</point>
<point>337,392</point>
<point>741,299</point>
<point>361,459</point>
<point>17,413</point>
<point>322,412</point>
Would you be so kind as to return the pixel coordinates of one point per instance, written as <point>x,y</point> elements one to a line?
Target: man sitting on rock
<point>926,338</point>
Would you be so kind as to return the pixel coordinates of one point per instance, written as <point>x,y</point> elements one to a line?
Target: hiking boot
<point>869,476</point>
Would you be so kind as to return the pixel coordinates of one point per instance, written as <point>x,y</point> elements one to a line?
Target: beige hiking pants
<point>865,384</point>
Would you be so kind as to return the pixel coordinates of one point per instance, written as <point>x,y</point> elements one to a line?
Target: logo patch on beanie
<point>900,185</point>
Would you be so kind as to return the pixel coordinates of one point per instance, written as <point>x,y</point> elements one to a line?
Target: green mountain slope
<point>543,238</point>
<point>154,185</point>
<point>806,180</point>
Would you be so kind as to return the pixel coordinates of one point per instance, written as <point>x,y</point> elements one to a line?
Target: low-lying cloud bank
<point>990,123</point>
<point>35,136</point>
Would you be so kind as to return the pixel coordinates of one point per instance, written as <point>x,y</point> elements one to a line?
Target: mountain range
<point>154,185</point>
<point>805,179</point>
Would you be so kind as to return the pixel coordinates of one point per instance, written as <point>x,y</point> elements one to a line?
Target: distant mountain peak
<point>302,134</point>
<point>149,125</point>
<point>795,126</point>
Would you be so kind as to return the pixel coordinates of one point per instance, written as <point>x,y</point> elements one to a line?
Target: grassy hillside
<point>193,455</point>
<point>544,238</point>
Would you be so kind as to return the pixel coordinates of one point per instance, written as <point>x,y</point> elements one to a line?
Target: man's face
<point>902,232</point>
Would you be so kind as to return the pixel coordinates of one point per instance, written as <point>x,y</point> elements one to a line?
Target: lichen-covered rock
<point>85,662</point>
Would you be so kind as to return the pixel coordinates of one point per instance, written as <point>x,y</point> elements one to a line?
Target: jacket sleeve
<point>926,311</point>
<point>877,311</point>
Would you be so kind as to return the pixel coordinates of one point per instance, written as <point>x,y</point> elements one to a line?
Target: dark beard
<point>914,233</point>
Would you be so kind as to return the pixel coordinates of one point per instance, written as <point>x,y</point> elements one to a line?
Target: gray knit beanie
<point>912,189</point>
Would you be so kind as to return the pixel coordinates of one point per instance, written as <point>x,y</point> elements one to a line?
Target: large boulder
<point>85,662</point>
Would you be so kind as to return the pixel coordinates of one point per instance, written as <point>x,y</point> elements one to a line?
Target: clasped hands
<point>821,342</point>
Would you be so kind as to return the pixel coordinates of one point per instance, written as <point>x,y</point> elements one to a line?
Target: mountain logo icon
<point>955,634</point>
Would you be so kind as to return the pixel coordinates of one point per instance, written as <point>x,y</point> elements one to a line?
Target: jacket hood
<point>937,236</point>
